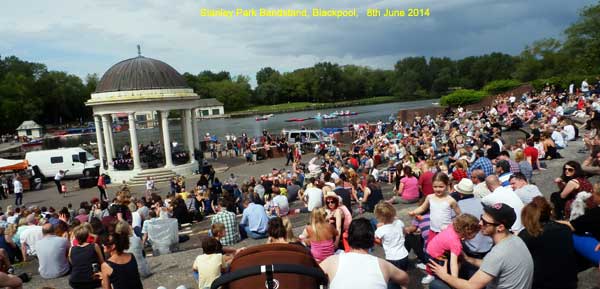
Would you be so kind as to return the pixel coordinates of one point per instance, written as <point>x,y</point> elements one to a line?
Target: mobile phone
<point>95,268</point>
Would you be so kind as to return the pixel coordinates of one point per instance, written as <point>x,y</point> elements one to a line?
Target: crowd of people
<point>477,217</point>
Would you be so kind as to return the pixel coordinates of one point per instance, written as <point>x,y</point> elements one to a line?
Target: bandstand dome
<point>140,73</point>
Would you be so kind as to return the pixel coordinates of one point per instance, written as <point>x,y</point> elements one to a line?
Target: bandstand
<point>138,85</point>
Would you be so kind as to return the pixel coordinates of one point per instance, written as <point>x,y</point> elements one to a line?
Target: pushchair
<point>273,266</point>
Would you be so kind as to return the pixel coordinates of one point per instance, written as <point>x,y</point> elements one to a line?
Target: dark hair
<point>361,234</point>
<point>211,245</point>
<point>479,153</point>
<point>120,241</point>
<point>276,229</point>
<point>505,153</point>
<point>408,171</point>
<point>152,214</point>
<point>505,165</point>
<point>577,174</point>
<point>519,176</point>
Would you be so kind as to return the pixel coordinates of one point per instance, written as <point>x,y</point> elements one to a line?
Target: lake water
<point>249,125</point>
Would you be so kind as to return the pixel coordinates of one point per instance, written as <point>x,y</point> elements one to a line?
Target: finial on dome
<point>139,50</point>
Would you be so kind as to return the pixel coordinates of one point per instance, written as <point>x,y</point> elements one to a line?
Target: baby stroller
<point>273,266</point>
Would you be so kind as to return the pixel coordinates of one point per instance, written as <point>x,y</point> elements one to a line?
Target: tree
<point>583,41</point>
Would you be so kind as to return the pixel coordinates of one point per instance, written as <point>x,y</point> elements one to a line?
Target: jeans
<point>18,199</point>
<point>417,244</point>
<point>438,284</point>
<point>245,233</point>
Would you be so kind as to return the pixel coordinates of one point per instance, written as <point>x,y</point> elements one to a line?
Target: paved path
<point>175,269</point>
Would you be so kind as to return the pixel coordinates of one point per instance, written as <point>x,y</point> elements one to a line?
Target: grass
<point>298,106</point>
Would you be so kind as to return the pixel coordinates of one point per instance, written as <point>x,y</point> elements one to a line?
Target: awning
<point>13,165</point>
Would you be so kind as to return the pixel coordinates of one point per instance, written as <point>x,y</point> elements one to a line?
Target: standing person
<point>390,234</point>
<point>18,190</point>
<point>508,265</point>
<point>358,269</point>
<point>440,204</point>
<point>120,271</point>
<point>58,178</point>
<point>102,188</point>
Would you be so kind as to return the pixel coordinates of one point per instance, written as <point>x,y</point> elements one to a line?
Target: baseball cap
<point>502,213</point>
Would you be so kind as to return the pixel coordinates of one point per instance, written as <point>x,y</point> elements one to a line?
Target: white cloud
<point>89,36</point>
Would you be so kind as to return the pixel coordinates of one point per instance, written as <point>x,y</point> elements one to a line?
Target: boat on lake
<point>264,117</point>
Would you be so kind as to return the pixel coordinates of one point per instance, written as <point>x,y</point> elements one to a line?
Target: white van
<point>78,161</point>
<point>312,136</point>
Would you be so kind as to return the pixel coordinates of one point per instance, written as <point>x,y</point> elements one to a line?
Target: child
<point>464,227</point>
<point>440,206</point>
<point>63,189</point>
<point>210,264</point>
<point>218,232</point>
<point>390,234</point>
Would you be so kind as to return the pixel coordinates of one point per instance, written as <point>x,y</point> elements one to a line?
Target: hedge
<point>500,86</point>
<point>463,97</point>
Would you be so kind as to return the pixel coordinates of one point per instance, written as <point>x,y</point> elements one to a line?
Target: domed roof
<point>140,73</point>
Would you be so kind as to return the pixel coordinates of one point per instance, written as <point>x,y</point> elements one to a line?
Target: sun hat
<point>465,187</point>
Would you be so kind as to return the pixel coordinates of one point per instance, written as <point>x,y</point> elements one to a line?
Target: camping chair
<point>284,266</point>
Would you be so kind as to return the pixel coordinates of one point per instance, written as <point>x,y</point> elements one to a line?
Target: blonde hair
<point>217,229</point>
<point>519,156</point>
<point>81,233</point>
<point>385,212</point>
<point>11,229</point>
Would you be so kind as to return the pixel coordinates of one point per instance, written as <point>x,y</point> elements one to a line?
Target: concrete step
<point>159,175</point>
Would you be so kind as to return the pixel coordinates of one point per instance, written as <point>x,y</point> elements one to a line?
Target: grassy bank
<point>300,106</point>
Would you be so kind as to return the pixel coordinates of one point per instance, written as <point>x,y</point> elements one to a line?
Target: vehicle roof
<point>54,150</point>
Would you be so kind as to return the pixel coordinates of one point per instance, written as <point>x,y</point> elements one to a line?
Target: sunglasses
<point>486,223</point>
<point>570,169</point>
<point>331,202</point>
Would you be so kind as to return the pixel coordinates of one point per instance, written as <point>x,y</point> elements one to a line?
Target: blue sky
<point>85,36</point>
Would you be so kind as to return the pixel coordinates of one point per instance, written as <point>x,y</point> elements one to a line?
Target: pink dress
<point>322,249</point>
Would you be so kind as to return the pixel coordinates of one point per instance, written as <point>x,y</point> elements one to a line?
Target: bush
<point>463,97</point>
<point>561,82</point>
<point>500,86</point>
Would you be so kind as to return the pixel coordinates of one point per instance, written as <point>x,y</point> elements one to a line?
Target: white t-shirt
<point>392,240</point>
<point>315,198</point>
<point>558,139</point>
<point>506,195</point>
<point>585,87</point>
<point>569,131</point>
<point>282,203</point>
<point>17,187</point>
<point>30,236</point>
<point>136,219</point>
<point>528,192</point>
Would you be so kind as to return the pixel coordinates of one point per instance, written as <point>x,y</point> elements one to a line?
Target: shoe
<point>421,266</point>
<point>427,279</point>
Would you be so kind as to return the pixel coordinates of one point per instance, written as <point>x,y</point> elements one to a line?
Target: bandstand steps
<point>159,175</point>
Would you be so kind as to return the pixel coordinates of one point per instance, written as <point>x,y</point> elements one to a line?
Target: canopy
<point>13,165</point>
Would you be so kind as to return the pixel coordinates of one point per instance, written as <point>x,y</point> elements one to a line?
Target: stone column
<point>183,126</point>
<point>166,138</point>
<point>189,135</point>
<point>110,136</point>
<point>134,142</point>
<point>99,140</point>
<point>109,152</point>
<point>195,132</point>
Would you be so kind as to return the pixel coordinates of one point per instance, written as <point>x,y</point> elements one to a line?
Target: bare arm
<point>24,251</point>
<point>454,206</point>
<point>422,208</point>
<point>105,273</point>
<point>395,275</point>
<point>477,281</point>
<point>99,254</point>
<point>453,265</point>
<point>570,187</point>
<point>10,281</point>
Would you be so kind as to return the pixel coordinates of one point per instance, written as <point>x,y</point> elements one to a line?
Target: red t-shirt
<point>425,181</point>
<point>459,174</point>
<point>531,152</point>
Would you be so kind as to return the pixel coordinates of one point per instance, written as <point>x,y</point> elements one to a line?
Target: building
<point>29,129</point>
<point>140,89</point>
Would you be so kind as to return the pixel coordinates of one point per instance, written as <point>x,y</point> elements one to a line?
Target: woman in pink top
<point>319,235</point>
<point>448,242</point>
<point>408,191</point>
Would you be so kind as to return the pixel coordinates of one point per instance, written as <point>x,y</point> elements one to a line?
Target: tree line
<point>29,90</point>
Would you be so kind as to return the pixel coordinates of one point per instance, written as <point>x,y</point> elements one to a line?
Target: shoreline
<point>316,106</point>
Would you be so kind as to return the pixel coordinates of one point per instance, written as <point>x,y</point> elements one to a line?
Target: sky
<point>89,36</point>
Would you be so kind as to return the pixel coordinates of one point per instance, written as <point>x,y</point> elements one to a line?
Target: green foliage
<point>462,97</point>
<point>499,86</point>
<point>561,81</point>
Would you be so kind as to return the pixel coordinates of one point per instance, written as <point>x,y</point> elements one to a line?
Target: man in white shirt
<point>585,88</point>
<point>525,191</point>
<point>569,132</point>
<point>57,178</point>
<point>503,195</point>
<point>313,197</point>
<point>18,190</point>
<point>29,238</point>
